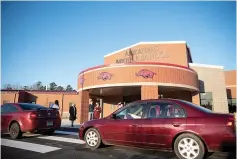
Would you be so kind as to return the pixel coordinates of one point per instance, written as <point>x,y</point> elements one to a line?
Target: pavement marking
<point>28,146</point>
<point>63,139</point>
<point>66,132</point>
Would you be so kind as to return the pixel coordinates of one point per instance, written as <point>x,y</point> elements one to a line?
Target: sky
<point>54,41</point>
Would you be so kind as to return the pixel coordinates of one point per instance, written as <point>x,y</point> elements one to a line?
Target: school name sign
<point>143,54</point>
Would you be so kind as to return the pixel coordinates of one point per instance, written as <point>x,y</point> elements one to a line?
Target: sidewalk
<point>66,126</point>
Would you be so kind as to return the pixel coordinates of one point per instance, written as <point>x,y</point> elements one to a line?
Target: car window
<point>196,106</point>
<point>26,106</point>
<point>134,111</point>
<point>165,110</point>
<point>8,108</point>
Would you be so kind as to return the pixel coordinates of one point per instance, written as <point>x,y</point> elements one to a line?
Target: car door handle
<point>134,125</point>
<point>176,124</point>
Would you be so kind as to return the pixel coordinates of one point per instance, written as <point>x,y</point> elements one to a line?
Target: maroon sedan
<point>168,124</point>
<point>17,118</point>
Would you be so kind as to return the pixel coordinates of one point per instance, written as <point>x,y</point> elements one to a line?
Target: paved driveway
<point>66,145</point>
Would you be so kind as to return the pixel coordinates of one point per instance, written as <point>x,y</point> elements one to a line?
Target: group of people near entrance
<point>94,110</point>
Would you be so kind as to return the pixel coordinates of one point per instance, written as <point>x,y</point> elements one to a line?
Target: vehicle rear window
<point>32,106</point>
<point>196,106</point>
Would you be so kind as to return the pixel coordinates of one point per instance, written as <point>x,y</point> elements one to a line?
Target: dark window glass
<point>196,106</point>
<point>31,106</point>
<point>232,105</point>
<point>206,100</point>
<point>8,108</point>
<point>4,109</point>
<point>165,110</point>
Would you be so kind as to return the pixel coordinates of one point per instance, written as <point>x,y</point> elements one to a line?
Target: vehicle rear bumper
<point>41,125</point>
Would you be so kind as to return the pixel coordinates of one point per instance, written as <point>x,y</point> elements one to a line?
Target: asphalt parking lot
<point>66,145</point>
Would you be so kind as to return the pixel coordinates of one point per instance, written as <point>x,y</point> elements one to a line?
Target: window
<point>31,106</point>
<point>8,108</point>
<point>232,105</point>
<point>165,110</point>
<point>133,111</point>
<point>206,100</point>
<point>196,106</point>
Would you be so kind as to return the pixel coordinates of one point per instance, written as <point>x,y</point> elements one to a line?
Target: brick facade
<point>149,92</point>
<point>84,106</point>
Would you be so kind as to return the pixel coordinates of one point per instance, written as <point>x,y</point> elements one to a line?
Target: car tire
<point>92,138</point>
<point>15,130</point>
<point>189,146</point>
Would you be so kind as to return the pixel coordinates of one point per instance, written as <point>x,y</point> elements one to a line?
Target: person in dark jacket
<point>73,113</point>
<point>91,110</point>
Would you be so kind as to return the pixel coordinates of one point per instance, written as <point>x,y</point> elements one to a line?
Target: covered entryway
<point>175,93</point>
<point>111,96</point>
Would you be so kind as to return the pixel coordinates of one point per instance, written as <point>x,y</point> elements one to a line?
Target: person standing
<point>120,105</point>
<point>91,109</point>
<point>73,113</point>
<point>55,105</point>
<point>97,111</point>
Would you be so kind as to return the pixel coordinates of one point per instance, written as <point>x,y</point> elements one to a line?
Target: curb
<point>68,129</point>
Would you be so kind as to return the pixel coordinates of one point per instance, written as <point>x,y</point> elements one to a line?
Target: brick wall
<point>175,53</point>
<point>149,92</point>
<point>83,107</point>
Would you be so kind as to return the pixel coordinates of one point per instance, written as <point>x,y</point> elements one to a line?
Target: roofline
<point>137,63</point>
<point>230,70</point>
<point>208,66</point>
<point>139,43</point>
<point>40,91</point>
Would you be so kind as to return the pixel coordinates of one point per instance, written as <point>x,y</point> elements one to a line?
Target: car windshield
<point>26,106</point>
<point>196,106</point>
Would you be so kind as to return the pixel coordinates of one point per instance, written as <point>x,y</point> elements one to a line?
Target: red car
<point>17,118</point>
<point>187,129</point>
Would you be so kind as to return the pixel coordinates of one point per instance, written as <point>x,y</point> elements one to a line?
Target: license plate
<point>49,123</point>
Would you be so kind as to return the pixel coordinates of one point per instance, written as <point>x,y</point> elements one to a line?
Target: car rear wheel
<point>15,130</point>
<point>189,146</point>
<point>92,138</point>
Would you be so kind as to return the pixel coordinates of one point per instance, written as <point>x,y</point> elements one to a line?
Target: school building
<point>145,70</point>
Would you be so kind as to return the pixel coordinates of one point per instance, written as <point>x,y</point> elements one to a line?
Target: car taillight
<point>57,114</point>
<point>33,115</point>
<point>230,121</point>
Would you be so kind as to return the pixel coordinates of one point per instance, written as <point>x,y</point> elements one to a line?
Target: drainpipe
<point>62,105</point>
<point>102,107</point>
<point>15,98</point>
